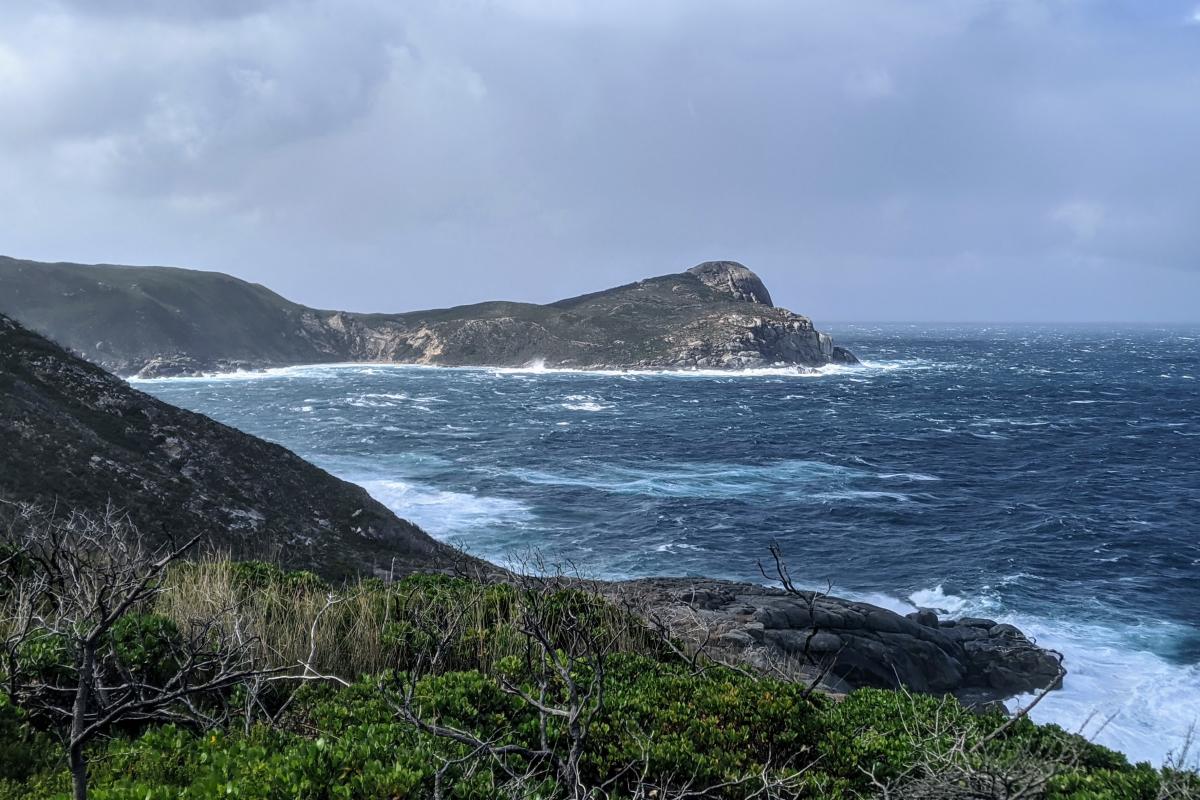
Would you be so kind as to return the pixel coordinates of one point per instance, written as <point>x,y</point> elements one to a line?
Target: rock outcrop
<point>73,435</point>
<point>733,279</point>
<point>157,321</point>
<point>976,660</point>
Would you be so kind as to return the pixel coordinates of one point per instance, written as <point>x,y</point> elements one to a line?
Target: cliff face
<point>159,321</point>
<point>74,435</point>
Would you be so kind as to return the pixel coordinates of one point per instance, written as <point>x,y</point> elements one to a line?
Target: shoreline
<point>782,371</point>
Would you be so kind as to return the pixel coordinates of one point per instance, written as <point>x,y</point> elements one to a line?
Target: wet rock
<point>926,617</point>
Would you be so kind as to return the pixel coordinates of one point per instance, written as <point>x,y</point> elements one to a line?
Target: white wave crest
<point>538,367</point>
<point>794,478</point>
<point>1116,692</point>
<point>587,405</point>
<point>443,513</point>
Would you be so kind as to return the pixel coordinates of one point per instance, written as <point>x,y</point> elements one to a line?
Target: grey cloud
<point>166,9</point>
<point>872,160</point>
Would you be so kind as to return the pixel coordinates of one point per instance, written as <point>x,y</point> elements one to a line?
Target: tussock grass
<point>370,626</point>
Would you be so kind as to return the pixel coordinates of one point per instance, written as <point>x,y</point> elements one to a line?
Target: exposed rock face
<point>733,279</point>
<point>74,435</point>
<point>976,660</point>
<point>155,321</point>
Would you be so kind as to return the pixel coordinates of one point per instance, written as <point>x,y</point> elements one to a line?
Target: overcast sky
<point>870,159</point>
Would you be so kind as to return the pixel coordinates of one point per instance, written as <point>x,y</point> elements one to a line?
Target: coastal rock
<point>926,617</point>
<point>184,366</point>
<point>854,644</point>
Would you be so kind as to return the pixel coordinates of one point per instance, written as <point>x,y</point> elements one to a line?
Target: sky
<point>956,160</point>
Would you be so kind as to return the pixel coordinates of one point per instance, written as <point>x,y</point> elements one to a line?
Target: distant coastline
<point>157,321</point>
<point>781,371</point>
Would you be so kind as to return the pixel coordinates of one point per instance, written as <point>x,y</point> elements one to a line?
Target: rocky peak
<point>733,279</point>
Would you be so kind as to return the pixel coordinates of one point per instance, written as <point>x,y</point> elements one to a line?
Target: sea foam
<point>443,513</point>
<point>1116,692</point>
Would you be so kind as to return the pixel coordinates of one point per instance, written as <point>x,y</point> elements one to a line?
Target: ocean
<point>1039,475</point>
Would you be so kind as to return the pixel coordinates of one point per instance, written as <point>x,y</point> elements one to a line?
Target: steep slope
<point>157,321</point>
<point>73,434</point>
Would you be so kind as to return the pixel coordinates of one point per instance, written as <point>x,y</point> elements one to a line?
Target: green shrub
<point>660,718</point>
<point>23,750</point>
<point>47,658</point>
<point>146,646</point>
<point>260,575</point>
<point>1140,783</point>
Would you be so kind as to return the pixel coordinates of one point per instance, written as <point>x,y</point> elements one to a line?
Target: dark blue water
<point>1044,476</point>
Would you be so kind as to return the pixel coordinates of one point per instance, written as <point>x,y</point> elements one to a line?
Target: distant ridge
<point>167,321</point>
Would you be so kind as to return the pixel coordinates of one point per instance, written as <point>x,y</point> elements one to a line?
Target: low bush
<point>660,725</point>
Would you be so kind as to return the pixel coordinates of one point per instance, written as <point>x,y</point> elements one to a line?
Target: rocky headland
<point>158,321</point>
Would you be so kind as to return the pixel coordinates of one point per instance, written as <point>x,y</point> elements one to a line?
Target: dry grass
<point>368,627</point>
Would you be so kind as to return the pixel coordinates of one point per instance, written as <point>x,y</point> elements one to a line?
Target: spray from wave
<point>1117,692</point>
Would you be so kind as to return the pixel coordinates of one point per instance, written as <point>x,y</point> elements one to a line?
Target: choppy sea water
<point>1040,476</point>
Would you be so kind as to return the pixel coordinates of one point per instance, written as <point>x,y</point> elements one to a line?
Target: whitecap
<point>862,495</point>
<point>583,402</point>
<point>587,406</point>
<point>444,513</point>
<point>538,367</point>
<point>938,600</point>
<point>1151,701</point>
<point>793,478</point>
<point>671,547</point>
<point>908,476</point>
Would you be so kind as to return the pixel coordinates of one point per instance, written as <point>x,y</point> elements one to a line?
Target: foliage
<point>146,645</point>
<point>713,730</point>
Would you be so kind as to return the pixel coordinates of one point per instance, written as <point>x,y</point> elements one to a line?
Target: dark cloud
<point>949,159</point>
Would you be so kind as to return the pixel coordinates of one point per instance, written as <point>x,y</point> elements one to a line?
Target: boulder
<point>925,616</point>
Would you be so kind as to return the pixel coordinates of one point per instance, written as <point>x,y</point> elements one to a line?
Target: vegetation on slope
<point>75,435</point>
<point>125,314</point>
<point>434,686</point>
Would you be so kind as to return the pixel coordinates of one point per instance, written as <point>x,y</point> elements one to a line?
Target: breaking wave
<point>444,514</point>
<point>1117,692</point>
